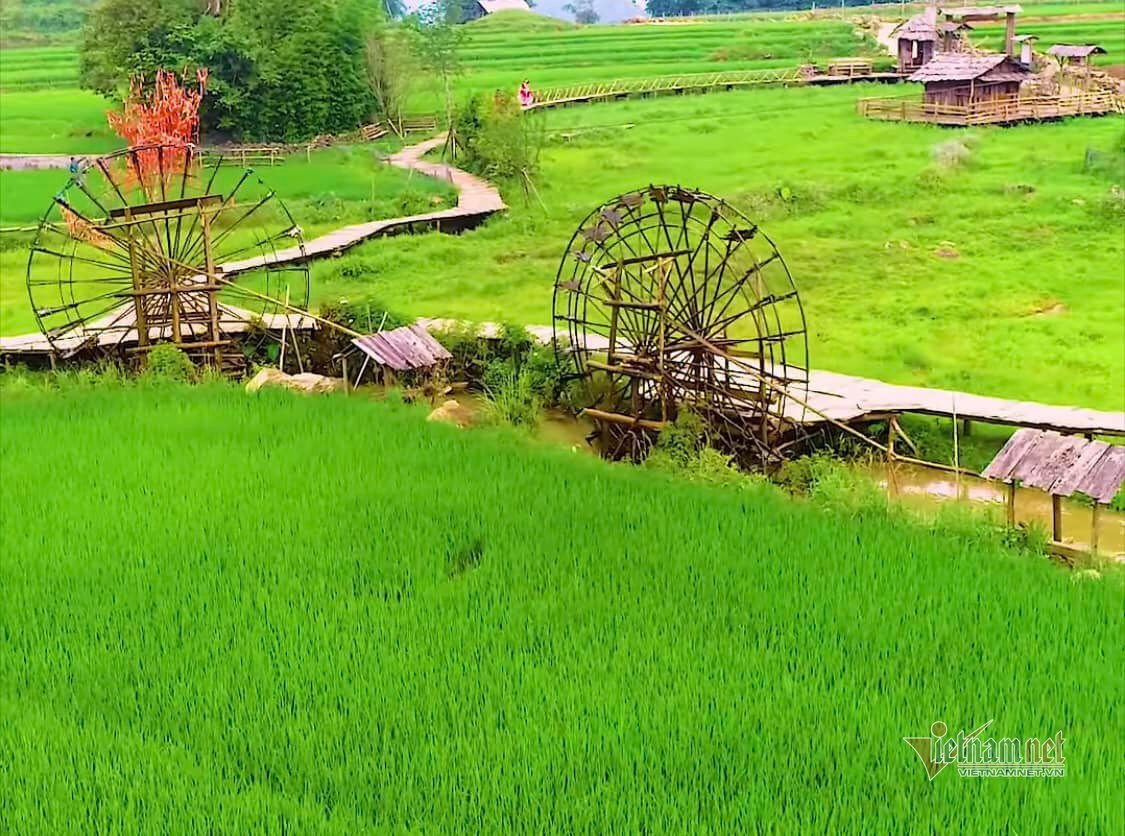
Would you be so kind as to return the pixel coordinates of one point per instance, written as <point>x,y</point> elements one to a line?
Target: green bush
<point>167,362</point>
<point>511,394</point>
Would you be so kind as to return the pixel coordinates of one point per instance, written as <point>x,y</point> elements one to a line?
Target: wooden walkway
<point>477,200</point>
<point>849,399</point>
<point>672,85</point>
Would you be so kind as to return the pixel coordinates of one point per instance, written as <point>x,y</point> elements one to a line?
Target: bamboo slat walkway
<point>849,399</point>
<point>476,201</point>
<point>626,88</point>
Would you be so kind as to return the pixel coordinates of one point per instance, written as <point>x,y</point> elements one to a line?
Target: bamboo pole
<point>284,330</point>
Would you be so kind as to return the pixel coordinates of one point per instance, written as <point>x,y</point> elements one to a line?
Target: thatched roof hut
<point>962,79</point>
<point>1076,55</point>
<point>923,36</point>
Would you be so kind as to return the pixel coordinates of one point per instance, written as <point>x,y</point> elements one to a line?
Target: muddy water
<point>925,488</point>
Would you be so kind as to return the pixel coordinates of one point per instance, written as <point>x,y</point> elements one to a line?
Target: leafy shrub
<point>167,362</point>
<point>512,398</point>
<point>681,449</point>
<point>470,351</point>
<point>497,140</point>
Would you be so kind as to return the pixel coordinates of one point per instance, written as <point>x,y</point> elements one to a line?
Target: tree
<point>125,38</point>
<point>392,70</point>
<point>439,47</point>
<point>278,70</point>
<point>583,11</point>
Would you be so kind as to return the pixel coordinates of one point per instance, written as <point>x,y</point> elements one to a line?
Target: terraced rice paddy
<point>245,613</point>
<point>1107,32</point>
<point>36,67</point>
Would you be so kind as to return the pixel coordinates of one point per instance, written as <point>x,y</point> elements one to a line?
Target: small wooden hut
<point>962,79</point>
<point>923,36</point>
<point>1060,465</point>
<point>409,349</point>
<point>1075,55</point>
<point>917,43</point>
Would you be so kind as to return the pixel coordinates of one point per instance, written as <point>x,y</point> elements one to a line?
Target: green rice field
<point>46,66</point>
<point>247,613</point>
<point>64,121</point>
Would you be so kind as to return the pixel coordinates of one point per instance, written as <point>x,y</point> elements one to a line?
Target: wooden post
<point>212,281</point>
<point>1012,504</point>
<point>284,329</point>
<point>138,285</point>
<point>1095,518</point>
<point>956,451</point>
<point>347,383</point>
<point>1056,518</point>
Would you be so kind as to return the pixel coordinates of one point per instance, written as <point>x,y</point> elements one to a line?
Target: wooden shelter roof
<point>1075,50</point>
<point>1061,465</point>
<point>981,12</point>
<point>403,349</point>
<point>961,66</point>
<point>918,28</point>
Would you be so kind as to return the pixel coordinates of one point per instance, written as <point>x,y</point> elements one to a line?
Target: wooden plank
<point>1076,475</point>
<point>1054,463</point>
<point>1105,478</point>
<point>1043,445</point>
<point>1001,467</point>
<point>164,206</point>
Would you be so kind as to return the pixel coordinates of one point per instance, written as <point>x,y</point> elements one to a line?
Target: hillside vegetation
<point>371,623</point>
<point>985,261</point>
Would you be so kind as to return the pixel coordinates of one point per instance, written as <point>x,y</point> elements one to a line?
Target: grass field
<point>46,66</point>
<point>42,112</point>
<point>65,121</point>
<point>999,275</point>
<point>372,623</point>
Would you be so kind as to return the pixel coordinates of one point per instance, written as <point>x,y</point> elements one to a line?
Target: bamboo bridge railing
<point>997,112</point>
<point>625,87</point>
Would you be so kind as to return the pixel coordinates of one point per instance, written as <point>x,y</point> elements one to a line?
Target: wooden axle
<point>624,420</point>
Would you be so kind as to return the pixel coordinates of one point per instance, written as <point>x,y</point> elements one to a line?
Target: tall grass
<point>245,613</point>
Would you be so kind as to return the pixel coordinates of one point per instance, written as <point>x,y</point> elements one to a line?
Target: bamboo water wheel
<point>668,299</point>
<point>161,244</point>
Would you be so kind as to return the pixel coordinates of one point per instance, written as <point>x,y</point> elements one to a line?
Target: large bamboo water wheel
<point>668,299</point>
<point>160,244</point>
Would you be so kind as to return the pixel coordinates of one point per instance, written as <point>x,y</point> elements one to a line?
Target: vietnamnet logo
<point>988,757</point>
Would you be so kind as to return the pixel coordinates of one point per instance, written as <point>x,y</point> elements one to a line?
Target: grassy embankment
<point>520,636</point>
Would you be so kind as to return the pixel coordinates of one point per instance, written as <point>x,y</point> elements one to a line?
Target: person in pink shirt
<point>527,98</point>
